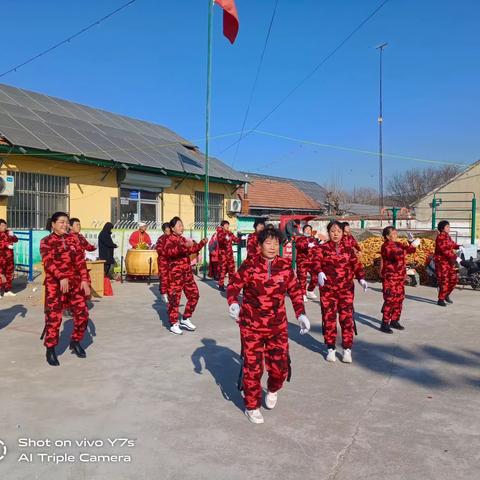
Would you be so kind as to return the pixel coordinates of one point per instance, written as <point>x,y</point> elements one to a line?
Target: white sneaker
<point>164,297</point>
<point>305,299</point>
<point>347,355</point>
<point>175,328</point>
<point>311,295</point>
<point>331,355</point>
<point>187,324</point>
<point>9,294</point>
<point>255,416</point>
<point>271,400</point>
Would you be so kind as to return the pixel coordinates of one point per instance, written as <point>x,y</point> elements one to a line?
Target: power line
<point>311,73</point>
<point>67,40</point>
<point>254,86</point>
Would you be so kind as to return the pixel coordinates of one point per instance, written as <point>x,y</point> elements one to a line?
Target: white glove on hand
<point>234,310</point>
<point>410,237</point>
<point>10,233</point>
<point>364,284</point>
<point>415,243</point>
<point>311,245</point>
<point>459,260</point>
<point>461,249</point>
<point>10,247</point>
<point>164,297</point>
<point>304,324</point>
<point>322,278</point>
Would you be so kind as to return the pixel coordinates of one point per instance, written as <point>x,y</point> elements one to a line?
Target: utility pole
<point>380,131</point>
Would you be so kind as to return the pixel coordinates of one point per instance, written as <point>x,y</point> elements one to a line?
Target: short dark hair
<point>224,222</point>
<point>274,233</point>
<point>270,226</point>
<point>441,225</point>
<point>165,226</point>
<point>346,224</point>
<point>333,223</point>
<point>73,220</point>
<point>174,221</point>
<point>307,226</point>
<point>54,218</point>
<point>2,221</point>
<point>258,221</point>
<point>387,231</point>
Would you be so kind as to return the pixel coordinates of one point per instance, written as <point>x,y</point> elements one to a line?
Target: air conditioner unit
<point>7,186</point>
<point>235,206</point>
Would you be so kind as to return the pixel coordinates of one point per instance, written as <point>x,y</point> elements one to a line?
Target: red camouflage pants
<point>181,281</point>
<point>226,265</point>
<point>259,348</point>
<point>163,274</point>
<point>446,277</point>
<point>9,269</point>
<point>302,269</point>
<point>56,302</point>
<point>337,301</point>
<point>393,296</point>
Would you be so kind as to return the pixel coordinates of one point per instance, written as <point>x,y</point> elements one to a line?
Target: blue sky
<point>149,61</point>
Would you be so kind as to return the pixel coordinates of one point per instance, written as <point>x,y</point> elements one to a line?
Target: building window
<point>138,206</point>
<point>215,209</point>
<point>37,197</point>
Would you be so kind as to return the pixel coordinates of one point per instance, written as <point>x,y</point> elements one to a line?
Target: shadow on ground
<point>8,315</point>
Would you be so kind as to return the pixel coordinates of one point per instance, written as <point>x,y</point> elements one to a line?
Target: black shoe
<point>448,300</point>
<point>441,303</point>
<point>397,325</point>
<point>385,328</point>
<point>221,288</point>
<point>52,357</point>
<point>77,349</point>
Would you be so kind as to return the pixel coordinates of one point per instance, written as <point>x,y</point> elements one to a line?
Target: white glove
<point>461,249</point>
<point>10,233</point>
<point>304,324</point>
<point>415,243</point>
<point>10,247</point>
<point>311,245</point>
<point>164,297</point>
<point>410,237</point>
<point>322,278</point>
<point>234,310</point>
<point>459,260</point>
<point>364,284</point>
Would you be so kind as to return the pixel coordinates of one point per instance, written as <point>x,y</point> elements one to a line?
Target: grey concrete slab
<point>407,408</point>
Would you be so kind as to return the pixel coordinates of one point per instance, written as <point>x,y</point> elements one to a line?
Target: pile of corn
<point>370,257</point>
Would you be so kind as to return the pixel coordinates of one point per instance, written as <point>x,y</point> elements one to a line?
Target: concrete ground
<point>407,408</point>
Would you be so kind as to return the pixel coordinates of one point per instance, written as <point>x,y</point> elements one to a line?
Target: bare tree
<point>407,187</point>
<point>365,195</point>
<point>335,195</point>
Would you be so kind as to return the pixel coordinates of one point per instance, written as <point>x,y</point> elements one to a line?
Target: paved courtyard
<point>407,408</point>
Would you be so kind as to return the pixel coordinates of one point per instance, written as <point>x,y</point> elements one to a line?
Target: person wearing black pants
<point>106,247</point>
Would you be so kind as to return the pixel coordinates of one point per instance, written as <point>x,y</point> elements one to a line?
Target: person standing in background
<point>140,237</point>
<point>162,261</point>
<point>226,262</point>
<point>75,229</point>
<point>253,247</point>
<point>106,247</point>
<point>7,263</point>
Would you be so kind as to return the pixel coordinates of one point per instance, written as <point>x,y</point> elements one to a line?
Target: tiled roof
<point>267,193</point>
<point>33,120</point>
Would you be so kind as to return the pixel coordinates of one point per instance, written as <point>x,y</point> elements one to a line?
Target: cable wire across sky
<point>68,39</point>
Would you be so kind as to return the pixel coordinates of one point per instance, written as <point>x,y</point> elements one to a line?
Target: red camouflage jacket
<point>444,249</point>
<point>253,247</point>
<point>83,243</point>
<point>177,253</point>
<point>350,241</point>
<point>265,284</point>
<point>225,240</point>
<point>6,252</point>
<point>393,259</point>
<point>162,260</point>
<point>339,263</point>
<point>63,258</point>
<point>304,246</point>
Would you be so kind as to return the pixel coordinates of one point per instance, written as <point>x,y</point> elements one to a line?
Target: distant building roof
<point>271,194</point>
<point>359,209</point>
<point>312,189</point>
<point>37,121</point>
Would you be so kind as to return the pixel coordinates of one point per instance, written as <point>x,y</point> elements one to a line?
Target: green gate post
<point>474,219</point>
<point>281,249</point>
<point>239,250</point>
<point>362,223</point>
<point>394,216</point>
<point>294,254</point>
<point>434,212</point>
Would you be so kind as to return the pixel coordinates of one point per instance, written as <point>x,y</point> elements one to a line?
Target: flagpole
<point>207,130</point>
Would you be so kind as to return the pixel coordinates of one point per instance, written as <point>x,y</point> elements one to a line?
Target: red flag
<point>230,19</point>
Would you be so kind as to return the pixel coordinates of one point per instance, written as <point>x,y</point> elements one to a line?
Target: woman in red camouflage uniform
<point>304,245</point>
<point>265,280</point>
<point>7,264</point>
<point>83,243</point>
<point>253,247</point>
<point>226,262</point>
<point>66,286</point>
<point>393,277</point>
<point>445,260</point>
<point>337,265</point>
<point>349,239</point>
<point>177,251</point>
<point>162,261</point>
